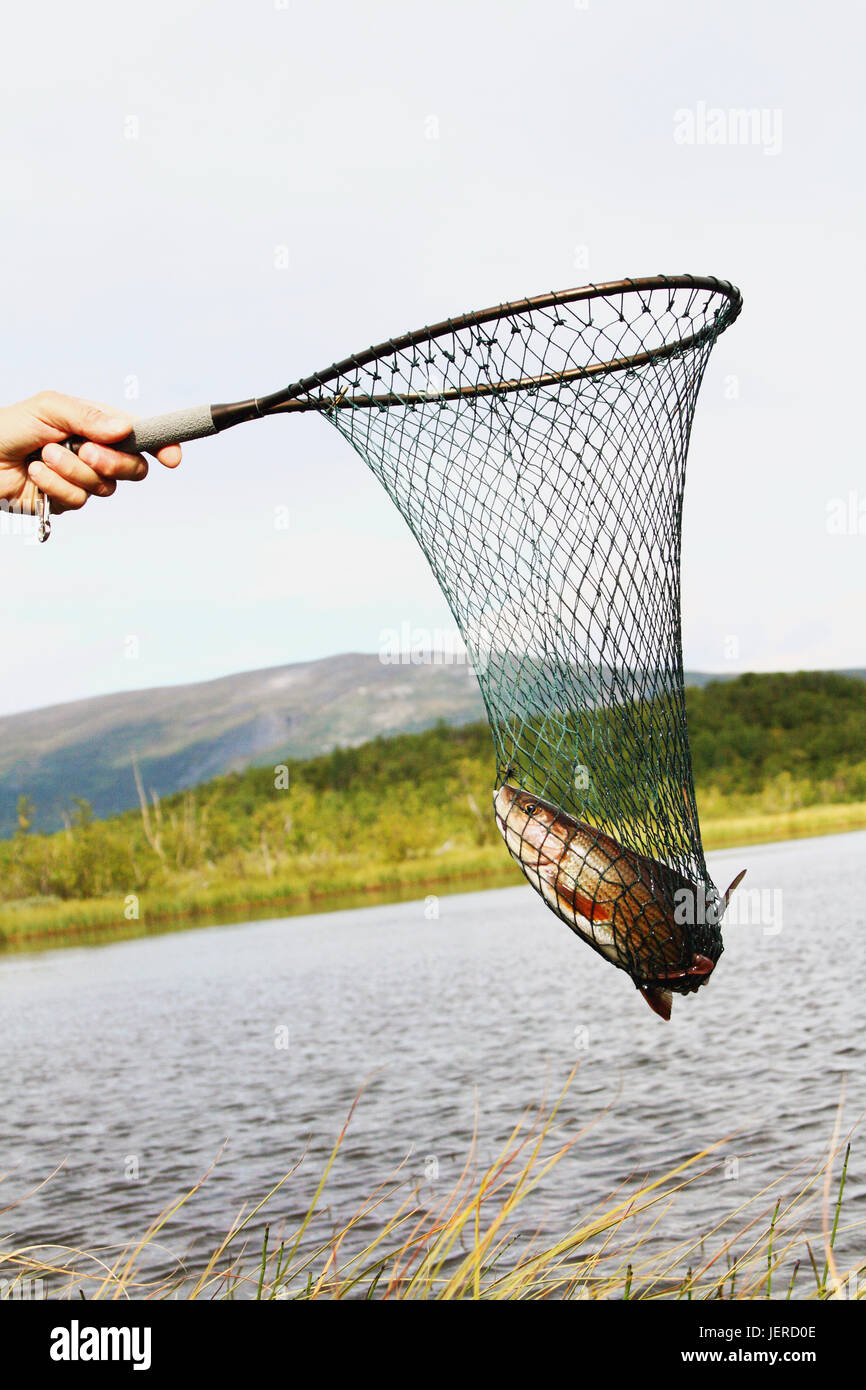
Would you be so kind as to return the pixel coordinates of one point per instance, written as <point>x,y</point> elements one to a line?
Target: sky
<point>202,203</point>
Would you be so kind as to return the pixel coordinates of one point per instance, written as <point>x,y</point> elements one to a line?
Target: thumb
<point>71,415</point>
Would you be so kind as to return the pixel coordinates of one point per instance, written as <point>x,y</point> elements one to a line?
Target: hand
<point>68,480</point>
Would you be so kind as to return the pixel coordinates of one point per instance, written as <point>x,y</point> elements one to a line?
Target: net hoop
<point>537,451</point>
<point>299,397</point>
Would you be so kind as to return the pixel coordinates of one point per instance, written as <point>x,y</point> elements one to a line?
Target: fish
<point>623,903</point>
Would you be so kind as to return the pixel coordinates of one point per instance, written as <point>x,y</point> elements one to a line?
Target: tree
<point>82,815</point>
<point>26,814</point>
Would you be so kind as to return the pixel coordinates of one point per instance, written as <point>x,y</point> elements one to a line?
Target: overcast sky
<point>202,202</point>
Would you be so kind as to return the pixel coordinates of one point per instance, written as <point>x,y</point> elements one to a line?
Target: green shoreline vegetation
<point>775,757</point>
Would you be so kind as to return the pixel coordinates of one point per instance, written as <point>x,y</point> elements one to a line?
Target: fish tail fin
<point>735,885</point>
<point>659,1000</point>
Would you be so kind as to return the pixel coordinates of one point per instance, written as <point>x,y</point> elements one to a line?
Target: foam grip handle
<point>175,428</point>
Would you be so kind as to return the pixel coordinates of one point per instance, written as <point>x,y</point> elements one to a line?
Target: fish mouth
<point>503,800</point>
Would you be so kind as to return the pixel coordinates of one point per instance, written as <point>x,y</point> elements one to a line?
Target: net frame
<point>300,395</point>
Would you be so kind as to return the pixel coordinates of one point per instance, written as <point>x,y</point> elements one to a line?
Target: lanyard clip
<point>44,514</point>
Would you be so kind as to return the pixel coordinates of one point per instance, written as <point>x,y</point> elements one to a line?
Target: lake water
<point>134,1062</point>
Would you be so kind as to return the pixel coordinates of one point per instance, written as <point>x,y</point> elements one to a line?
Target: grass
<point>57,922</point>
<point>477,1241</point>
<point>775,758</point>
<point>353,881</point>
<point>215,897</point>
<point>765,827</point>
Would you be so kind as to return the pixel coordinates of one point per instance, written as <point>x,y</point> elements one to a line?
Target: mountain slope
<point>187,734</point>
<point>183,735</point>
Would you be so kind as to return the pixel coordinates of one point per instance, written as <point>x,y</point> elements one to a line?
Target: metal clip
<point>44,514</point>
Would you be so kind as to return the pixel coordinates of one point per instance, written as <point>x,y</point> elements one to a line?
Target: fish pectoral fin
<point>735,885</point>
<point>659,1000</point>
<point>589,908</point>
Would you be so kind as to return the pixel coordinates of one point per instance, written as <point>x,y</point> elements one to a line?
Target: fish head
<point>528,823</point>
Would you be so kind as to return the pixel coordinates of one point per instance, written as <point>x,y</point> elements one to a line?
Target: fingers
<point>70,415</point>
<point>170,456</point>
<point>107,463</point>
<point>65,496</point>
<point>69,479</point>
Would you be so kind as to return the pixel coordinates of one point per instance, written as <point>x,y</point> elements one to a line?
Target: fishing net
<point>538,453</point>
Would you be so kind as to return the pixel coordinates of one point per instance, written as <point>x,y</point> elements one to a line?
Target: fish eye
<point>531,808</point>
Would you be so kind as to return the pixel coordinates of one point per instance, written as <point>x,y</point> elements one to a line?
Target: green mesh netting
<point>539,458</point>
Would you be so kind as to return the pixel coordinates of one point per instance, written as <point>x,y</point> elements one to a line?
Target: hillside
<point>773,755</point>
<point>184,735</point>
<point>807,728</point>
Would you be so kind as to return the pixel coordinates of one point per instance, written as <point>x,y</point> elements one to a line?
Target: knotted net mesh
<point>538,453</point>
